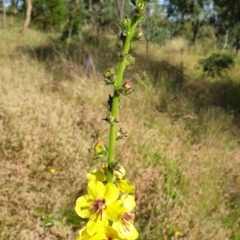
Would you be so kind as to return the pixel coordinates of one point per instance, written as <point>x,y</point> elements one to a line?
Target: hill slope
<point>182,149</point>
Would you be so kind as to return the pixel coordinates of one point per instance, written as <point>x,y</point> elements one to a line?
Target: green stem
<point>115,102</point>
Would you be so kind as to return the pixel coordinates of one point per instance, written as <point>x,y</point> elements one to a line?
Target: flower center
<point>127,217</point>
<point>127,220</point>
<point>99,206</point>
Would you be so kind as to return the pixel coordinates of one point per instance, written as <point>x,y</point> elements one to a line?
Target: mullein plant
<point>110,201</point>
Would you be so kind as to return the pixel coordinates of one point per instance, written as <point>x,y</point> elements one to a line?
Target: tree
<point>14,3</point>
<point>156,27</point>
<point>55,13</point>
<point>28,15</point>
<point>77,15</point>
<point>226,21</point>
<point>120,7</point>
<point>49,14</point>
<point>103,15</point>
<point>3,14</point>
<point>196,12</point>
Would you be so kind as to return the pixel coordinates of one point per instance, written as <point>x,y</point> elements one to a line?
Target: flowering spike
<point>108,205</point>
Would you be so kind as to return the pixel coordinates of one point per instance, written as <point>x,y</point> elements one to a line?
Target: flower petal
<point>83,235</point>
<point>112,233</point>
<point>96,175</point>
<point>128,202</point>
<point>115,210</point>
<point>111,193</point>
<point>128,232</point>
<point>82,206</point>
<point>125,186</point>
<point>98,236</point>
<point>96,189</point>
<point>96,225</point>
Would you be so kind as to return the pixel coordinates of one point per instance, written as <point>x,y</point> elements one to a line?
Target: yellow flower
<point>124,226</point>
<point>110,233</point>
<point>83,235</point>
<point>177,233</point>
<point>52,170</point>
<point>100,205</point>
<point>98,147</point>
<point>125,186</point>
<point>96,175</point>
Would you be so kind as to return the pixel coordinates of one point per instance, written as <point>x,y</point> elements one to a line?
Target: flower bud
<point>126,88</point>
<point>121,134</point>
<point>110,119</point>
<point>100,150</point>
<point>141,7</point>
<point>130,60</point>
<point>141,18</point>
<point>137,36</point>
<point>125,25</point>
<point>108,73</point>
<point>127,85</point>
<point>119,45</point>
<point>137,2</point>
<point>120,172</point>
<point>110,76</point>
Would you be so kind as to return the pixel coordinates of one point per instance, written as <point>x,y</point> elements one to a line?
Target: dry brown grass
<point>186,169</point>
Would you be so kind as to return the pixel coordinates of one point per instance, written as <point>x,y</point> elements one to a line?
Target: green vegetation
<point>49,15</point>
<point>216,63</point>
<point>183,131</point>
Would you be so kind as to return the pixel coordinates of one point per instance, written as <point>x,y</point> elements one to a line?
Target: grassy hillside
<point>182,149</point>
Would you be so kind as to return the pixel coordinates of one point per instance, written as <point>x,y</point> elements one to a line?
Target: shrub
<point>216,63</point>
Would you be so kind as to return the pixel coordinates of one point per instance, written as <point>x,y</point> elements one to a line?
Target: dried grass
<point>186,169</point>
